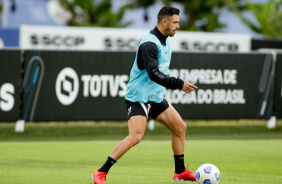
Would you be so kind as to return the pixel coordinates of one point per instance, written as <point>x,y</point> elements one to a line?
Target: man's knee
<point>136,138</point>
<point>139,138</point>
<point>180,129</point>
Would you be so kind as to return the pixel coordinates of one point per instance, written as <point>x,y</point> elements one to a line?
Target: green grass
<point>244,151</point>
<point>82,131</point>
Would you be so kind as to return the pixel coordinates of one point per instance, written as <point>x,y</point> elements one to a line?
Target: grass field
<point>245,152</point>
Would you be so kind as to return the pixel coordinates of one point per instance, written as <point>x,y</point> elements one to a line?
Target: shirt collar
<point>159,35</point>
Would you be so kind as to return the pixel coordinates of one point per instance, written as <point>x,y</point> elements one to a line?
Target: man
<point>145,96</point>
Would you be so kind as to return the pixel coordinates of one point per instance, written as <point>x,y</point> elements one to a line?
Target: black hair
<point>167,11</point>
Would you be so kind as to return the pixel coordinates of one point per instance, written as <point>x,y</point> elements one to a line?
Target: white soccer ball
<point>207,174</point>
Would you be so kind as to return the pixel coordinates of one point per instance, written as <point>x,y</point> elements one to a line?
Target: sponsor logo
<point>121,43</point>
<point>7,99</point>
<point>67,86</point>
<point>104,85</point>
<point>56,40</point>
<point>149,107</point>
<point>227,78</point>
<point>208,46</point>
<point>129,110</point>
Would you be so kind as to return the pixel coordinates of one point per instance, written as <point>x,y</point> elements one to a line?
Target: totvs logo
<point>7,100</point>
<point>67,86</point>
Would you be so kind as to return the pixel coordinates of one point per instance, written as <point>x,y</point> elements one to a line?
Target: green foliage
<point>146,3</point>
<point>198,15</point>
<point>201,15</point>
<point>204,15</point>
<point>94,13</point>
<point>268,16</point>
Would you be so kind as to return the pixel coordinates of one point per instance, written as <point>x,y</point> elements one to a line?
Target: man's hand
<point>188,87</point>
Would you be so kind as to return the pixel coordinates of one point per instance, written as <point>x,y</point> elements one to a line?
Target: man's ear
<point>164,22</point>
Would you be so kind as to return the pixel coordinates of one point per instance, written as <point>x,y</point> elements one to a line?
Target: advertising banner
<point>10,78</point>
<point>77,85</point>
<point>278,87</point>
<point>87,85</point>
<point>111,39</point>
<point>230,85</point>
<point>199,41</point>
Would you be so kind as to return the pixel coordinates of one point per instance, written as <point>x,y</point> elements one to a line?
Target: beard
<point>170,32</point>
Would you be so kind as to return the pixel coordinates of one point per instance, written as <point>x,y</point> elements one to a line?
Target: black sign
<point>278,87</point>
<point>10,79</point>
<point>77,85</point>
<point>63,85</point>
<point>266,44</point>
<point>231,85</point>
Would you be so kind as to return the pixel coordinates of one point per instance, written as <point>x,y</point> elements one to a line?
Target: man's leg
<point>172,120</point>
<point>136,128</point>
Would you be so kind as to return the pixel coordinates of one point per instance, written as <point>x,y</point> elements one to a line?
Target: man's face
<point>172,25</point>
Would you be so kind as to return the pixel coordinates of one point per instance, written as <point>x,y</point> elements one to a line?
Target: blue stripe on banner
<point>35,75</point>
<point>28,102</point>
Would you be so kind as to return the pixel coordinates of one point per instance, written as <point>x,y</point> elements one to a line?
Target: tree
<point>94,13</point>
<point>268,16</point>
<point>199,15</point>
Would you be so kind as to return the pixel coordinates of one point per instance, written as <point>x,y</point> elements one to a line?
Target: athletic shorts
<point>151,109</point>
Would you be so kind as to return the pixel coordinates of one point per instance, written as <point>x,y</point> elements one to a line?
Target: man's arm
<point>149,53</point>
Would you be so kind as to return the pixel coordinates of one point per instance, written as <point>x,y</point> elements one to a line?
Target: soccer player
<point>145,96</point>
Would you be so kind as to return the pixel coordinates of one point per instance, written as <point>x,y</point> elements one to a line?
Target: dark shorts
<point>151,109</point>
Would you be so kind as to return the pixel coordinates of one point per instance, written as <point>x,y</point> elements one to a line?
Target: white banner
<point>77,38</point>
<point>200,41</point>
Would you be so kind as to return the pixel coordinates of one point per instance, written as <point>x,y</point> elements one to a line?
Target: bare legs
<point>137,126</point>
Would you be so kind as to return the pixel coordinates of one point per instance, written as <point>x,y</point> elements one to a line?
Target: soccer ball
<point>207,174</point>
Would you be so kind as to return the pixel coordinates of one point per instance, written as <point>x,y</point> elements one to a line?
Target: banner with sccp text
<point>101,39</point>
